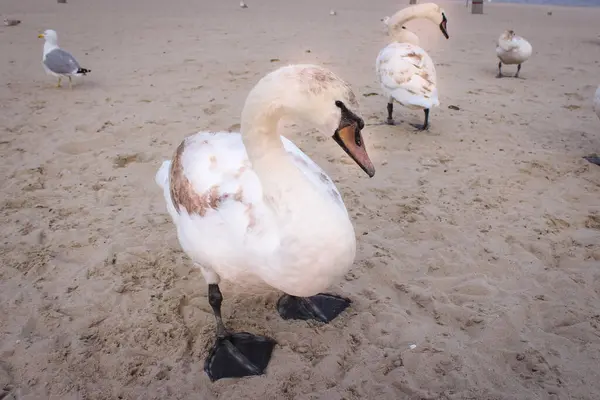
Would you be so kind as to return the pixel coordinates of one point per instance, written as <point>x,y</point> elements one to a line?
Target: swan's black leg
<point>499,70</point>
<point>321,307</point>
<point>593,159</point>
<point>390,110</point>
<point>518,70</point>
<point>235,355</point>
<point>425,125</point>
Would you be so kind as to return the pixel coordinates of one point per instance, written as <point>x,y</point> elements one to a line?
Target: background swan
<point>405,71</point>
<point>512,49</point>
<point>252,208</point>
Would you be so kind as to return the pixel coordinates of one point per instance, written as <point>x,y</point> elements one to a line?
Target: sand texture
<point>478,241</point>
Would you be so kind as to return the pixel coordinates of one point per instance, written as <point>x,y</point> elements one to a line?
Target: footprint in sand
<point>123,160</point>
<point>76,148</point>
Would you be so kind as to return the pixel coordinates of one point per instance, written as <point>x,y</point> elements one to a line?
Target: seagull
<point>11,22</point>
<point>243,5</point>
<point>58,62</point>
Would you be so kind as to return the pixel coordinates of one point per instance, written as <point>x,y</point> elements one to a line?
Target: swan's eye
<point>357,137</point>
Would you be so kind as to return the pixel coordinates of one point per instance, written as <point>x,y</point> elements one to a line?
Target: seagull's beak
<point>41,35</point>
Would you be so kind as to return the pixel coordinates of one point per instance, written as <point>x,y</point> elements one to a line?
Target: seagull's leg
<point>322,307</point>
<point>499,70</point>
<point>390,110</point>
<point>70,83</point>
<point>58,84</point>
<point>518,70</point>
<point>425,125</point>
<point>234,355</point>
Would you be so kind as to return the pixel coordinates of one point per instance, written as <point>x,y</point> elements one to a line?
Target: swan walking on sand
<point>57,62</point>
<point>512,49</point>
<point>405,71</point>
<point>251,208</point>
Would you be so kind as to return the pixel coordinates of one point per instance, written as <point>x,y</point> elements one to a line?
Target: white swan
<point>58,62</point>
<point>252,208</point>
<point>512,49</point>
<point>597,102</point>
<point>405,71</point>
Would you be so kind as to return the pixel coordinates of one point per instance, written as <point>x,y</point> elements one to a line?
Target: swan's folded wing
<point>408,73</point>
<point>508,45</point>
<point>210,177</point>
<point>313,172</point>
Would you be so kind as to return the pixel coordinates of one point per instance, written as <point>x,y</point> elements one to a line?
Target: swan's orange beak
<point>350,139</point>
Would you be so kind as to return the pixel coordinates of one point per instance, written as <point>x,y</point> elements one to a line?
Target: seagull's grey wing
<point>61,62</point>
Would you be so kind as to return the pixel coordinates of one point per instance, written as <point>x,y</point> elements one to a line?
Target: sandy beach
<point>478,258</point>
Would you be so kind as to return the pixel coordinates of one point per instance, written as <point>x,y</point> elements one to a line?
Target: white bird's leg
<point>499,70</point>
<point>322,307</point>
<point>234,355</point>
<point>58,84</point>
<point>425,125</point>
<point>70,83</point>
<point>390,110</point>
<point>518,70</point>
<point>215,298</point>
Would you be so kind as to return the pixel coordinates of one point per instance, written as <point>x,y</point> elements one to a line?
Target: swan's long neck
<point>285,187</point>
<point>407,14</point>
<point>405,36</point>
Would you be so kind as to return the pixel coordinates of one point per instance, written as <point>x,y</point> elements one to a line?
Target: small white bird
<point>512,49</point>
<point>243,5</point>
<point>58,62</point>
<point>11,22</point>
<point>332,12</point>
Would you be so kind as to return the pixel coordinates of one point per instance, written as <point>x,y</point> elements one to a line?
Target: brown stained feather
<point>319,80</point>
<point>239,195</point>
<point>184,195</point>
<point>415,56</point>
<point>426,77</point>
<point>213,162</point>
<point>251,216</point>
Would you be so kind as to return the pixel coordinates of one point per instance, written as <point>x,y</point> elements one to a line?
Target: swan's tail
<point>162,176</point>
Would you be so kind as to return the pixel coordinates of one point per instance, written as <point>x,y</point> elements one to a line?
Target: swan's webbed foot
<point>593,159</point>
<point>425,124</point>
<point>235,355</point>
<point>321,307</point>
<point>390,121</point>
<point>238,355</point>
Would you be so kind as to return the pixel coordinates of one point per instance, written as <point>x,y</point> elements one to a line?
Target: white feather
<point>407,74</point>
